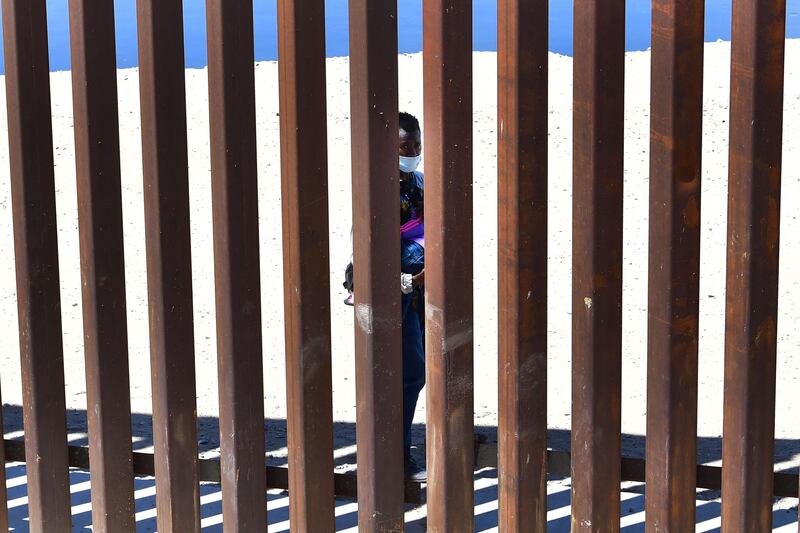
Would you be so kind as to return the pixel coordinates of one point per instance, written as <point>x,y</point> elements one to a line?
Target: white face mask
<point>409,164</point>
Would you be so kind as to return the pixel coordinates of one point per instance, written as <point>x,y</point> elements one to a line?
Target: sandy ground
<point>635,251</point>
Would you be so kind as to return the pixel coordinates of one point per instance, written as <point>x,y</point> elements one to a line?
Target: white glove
<point>406,284</point>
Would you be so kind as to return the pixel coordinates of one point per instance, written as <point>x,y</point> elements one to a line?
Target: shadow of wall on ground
<point>709,449</point>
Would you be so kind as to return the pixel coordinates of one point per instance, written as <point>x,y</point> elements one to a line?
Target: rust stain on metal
<point>691,213</point>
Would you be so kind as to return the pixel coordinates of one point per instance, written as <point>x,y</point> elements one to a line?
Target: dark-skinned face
<point>410,143</point>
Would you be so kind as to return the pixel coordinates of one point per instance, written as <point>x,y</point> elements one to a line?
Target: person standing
<point>412,280</point>
<point>412,261</point>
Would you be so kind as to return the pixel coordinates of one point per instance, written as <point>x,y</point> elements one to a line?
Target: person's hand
<point>419,279</point>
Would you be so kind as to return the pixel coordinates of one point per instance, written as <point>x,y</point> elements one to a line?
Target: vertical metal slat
<point>30,139</point>
<point>754,184</point>
<point>376,222</point>
<point>94,91</point>
<point>522,268</point>
<point>447,68</point>
<point>231,82</point>
<point>676,112</point>
<point>304,171</point>
<point>169,262</point>
<point>599,35</point>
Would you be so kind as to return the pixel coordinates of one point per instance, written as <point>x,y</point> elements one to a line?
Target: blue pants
<point>413,359</point>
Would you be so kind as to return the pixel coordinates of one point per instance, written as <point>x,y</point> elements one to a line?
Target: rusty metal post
<point>447,66</point>
<point>597,263</point>
<point>676,111</point>
<point>169,263</point>
<point>754,186</point>
<point>94,91</point>
<point>30,140</point>
<point>376,223</point>
<point>522,269</point>
<point>234,185</point>
<point>304,172</point>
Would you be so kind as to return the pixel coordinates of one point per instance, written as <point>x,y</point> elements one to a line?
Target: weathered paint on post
<point>522,61</point>
<point>94,92</point>
<point>30,140</point>
<point>234,186</point>
<point>676,115</point>
<point>376,222</point>
<point>447,67</point>
<point>754,186</point>
<point>169,262</point>
<point>306,286</point>
<point>599,47</point>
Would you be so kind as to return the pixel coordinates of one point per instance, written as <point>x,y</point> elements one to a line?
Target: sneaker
<point>415,472</point>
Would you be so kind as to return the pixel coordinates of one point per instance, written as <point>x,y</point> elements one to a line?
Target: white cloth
<point>406,283</point>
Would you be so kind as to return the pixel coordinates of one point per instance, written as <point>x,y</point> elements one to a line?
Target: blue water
<point>718,21</point>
